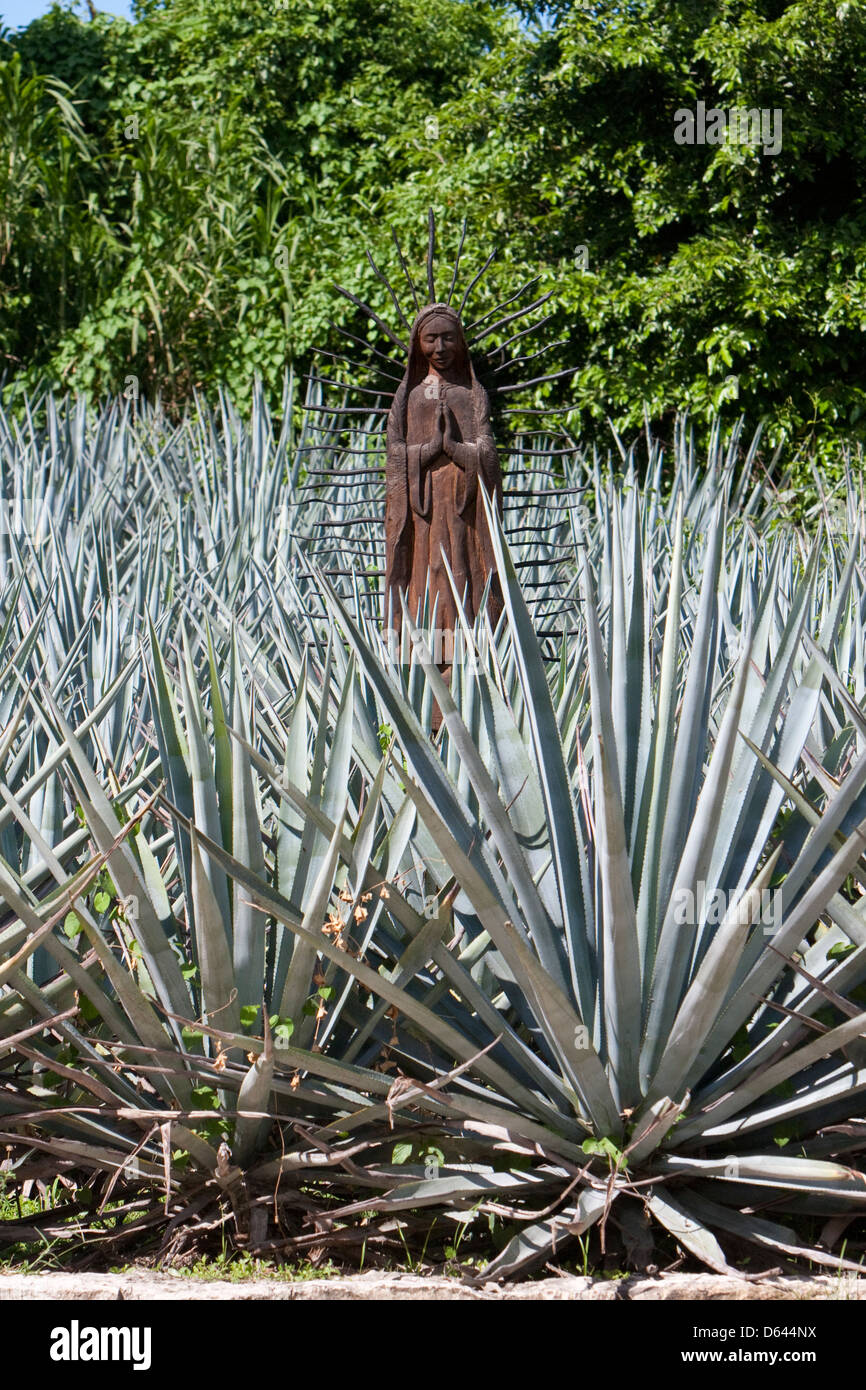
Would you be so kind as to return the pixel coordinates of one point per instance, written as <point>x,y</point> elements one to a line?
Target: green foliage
<point>227,156</point>
<point>238,1268</point>
<point>179,226</point>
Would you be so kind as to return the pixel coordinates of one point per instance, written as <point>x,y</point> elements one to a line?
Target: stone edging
<point>141,1285</point>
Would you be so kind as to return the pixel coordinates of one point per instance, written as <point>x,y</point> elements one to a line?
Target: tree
<point>234,160</point>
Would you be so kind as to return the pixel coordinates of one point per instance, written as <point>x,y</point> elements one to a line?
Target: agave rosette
<point>260,921</point>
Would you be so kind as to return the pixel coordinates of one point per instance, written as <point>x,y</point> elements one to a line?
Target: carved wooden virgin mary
<point>440,449</point>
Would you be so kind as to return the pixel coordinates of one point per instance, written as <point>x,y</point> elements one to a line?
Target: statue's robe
<point>436,507</point>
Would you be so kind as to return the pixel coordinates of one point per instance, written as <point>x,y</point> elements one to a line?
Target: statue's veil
<point>416,366</point>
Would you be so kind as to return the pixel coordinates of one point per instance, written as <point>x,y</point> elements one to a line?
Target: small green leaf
<point>283,1029</point>
<point>205,1097</point>
<point>87,1010</point>
<point>841,950</point>
<point>402,1153</point>
<point>605,1147</point>
<point>71,925</point>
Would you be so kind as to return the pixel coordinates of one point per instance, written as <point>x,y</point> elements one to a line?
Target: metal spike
<point>346,385</point>
<point>531,357</point>
<point>536,528</point>
<point>374,433</point>
<point>394,300</point>
<point>545,492</point>
<point>362,574</point>
<point>327,472</point>
<point>541,560</point>
<point>540,410</point>
<point>457,260</point>
<point>346,333</point>
<point>546,453</point>
<point>431,248</point>
<point>351,409</point>
<point>504,304</point>
<point>341,473</point>
<point>537,381</point>
<point>524,332</point>
<point>371,313</point>
<point>474,281</point>
<point>541,473</point>
<point>353,362</point>
<point>509,318</point>
<point>405,269</point>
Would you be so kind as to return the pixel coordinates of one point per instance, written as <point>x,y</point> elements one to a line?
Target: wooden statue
<point>440,451</point>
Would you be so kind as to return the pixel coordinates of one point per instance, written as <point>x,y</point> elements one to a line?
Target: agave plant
<point>591,953</point>
<point>672,1034</point>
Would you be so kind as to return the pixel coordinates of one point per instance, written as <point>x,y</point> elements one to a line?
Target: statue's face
<point>439,341</point>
